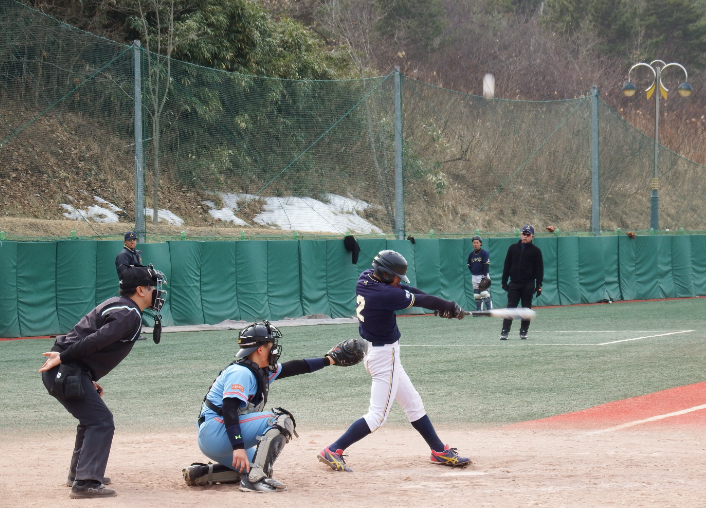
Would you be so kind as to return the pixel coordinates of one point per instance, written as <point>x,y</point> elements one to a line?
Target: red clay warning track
<point>680,406</point>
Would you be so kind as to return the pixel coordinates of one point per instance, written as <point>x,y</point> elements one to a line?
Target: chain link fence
<point>275,158</point>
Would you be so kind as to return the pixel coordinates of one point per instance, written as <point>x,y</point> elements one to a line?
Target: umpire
<point>129,255</point>
<point>96,345</point>
<point>523,265</point>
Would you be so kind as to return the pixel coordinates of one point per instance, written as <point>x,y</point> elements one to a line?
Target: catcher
<point>234,430</point>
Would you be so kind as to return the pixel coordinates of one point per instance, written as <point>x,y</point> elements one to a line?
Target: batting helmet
<point>389,263</point>
<point>257,334</point>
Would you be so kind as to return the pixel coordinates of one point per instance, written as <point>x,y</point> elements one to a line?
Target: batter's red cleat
<point>449,457</point>
<point>334,459</point>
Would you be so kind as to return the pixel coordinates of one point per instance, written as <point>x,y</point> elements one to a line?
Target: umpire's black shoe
<point>70,481</point>
<point>523,335</point>
<point>141,338</point>
<point>504,335</point>
<point>90,489</point>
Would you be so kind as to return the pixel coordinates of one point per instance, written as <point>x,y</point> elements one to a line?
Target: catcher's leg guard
<point>199,474</point>
<point>485,297</point>
<point>478,298</point>
<point>282,429</point>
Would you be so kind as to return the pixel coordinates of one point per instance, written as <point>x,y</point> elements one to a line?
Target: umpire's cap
<point>135,276</point>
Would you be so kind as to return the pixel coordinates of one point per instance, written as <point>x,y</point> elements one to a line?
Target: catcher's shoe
<point>90,489</point>
<point>334,459</point>
<point>449,457</point>
<point>265,485</point>
<point>70,481</point>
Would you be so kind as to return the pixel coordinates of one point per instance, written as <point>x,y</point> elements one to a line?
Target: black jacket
<point>128,257</point>
<point>102,338</point>
<point>523,265</point>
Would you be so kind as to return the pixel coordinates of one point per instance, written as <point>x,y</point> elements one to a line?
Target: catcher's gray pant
<point>94,433</point>
<point>389,382</point>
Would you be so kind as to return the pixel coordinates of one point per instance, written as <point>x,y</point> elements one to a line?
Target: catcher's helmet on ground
<point>389,263</point>
<point>256,334</point>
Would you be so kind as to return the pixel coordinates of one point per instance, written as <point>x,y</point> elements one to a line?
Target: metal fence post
<point>138,134</point>
<point>398,184</point>
<point>596,229</point>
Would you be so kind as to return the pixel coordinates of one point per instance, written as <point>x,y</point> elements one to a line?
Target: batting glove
<point>538,290</point>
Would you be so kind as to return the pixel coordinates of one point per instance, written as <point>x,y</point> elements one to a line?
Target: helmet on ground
<point>389,263</point>
<point>257,334</point>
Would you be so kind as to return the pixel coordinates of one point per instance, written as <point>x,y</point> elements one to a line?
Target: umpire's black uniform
<point>97,344</point>
<point>523,264</point>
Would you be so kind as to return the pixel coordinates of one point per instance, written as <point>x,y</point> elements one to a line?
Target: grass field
<point>576,357</point>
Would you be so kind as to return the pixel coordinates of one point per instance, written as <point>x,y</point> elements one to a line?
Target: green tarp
<point>46,287</point>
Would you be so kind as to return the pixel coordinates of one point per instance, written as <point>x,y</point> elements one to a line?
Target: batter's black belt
<point>209,404</point>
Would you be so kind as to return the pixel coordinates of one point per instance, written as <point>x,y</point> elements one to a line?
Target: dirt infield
<point>512,467</point>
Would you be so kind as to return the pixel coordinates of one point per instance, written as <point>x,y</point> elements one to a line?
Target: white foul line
<point>647,420</point>
<point>644,337</point>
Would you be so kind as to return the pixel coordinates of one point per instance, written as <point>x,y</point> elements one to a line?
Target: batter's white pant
<point>389,383</point>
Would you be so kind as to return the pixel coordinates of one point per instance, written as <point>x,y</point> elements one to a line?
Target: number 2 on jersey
<point>360,305</point>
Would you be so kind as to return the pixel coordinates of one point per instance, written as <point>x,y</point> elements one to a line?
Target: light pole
<point>629,89</point>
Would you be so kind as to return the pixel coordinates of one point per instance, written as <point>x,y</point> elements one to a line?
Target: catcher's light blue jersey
<point>235,381</point>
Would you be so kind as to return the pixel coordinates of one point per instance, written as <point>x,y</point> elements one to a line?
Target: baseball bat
<point>505,313</point>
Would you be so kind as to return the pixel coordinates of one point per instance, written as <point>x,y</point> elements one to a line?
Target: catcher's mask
<point>257,334</point>
<point>389,263</point>
<point>484,284</point>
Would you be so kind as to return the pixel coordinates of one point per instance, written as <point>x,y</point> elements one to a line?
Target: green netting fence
<point>222,150</point>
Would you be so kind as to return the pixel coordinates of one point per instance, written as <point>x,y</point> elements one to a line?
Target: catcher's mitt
<point>348,352</point>
<point>485,284</point>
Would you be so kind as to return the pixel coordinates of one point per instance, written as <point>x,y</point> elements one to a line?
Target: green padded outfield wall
<point>46,287</point>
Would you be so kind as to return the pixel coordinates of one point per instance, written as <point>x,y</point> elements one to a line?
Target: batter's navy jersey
<point>478,262</point>
<point>376,306</point>
<point>237,382</point>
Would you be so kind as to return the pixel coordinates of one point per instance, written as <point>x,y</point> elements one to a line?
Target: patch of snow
<point>308,214</point>
<point>95,213</point>
<point>227,212</point>
<point>110,205</point>
<point>347,204</point>
<point>164,214</point>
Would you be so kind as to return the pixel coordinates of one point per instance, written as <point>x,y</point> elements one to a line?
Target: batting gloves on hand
<point>455,312</point>
<point>538,290</point>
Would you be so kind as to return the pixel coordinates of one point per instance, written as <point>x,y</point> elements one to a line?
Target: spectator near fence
<point>478,264</point>
<point>129,255</point>
<point>523,265</point>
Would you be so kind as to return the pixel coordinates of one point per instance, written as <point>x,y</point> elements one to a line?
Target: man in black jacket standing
<point>96,345</point>
<point>523,265</point>
<point>129,255</point>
